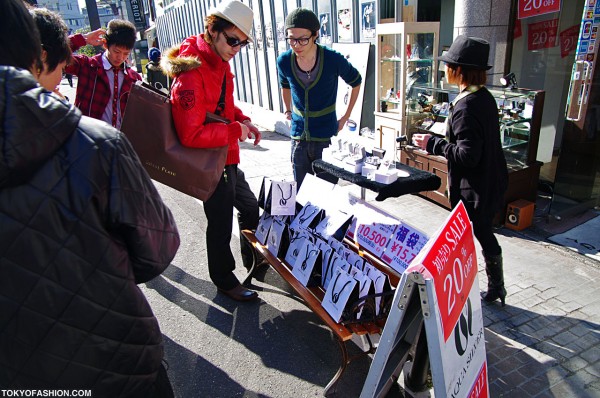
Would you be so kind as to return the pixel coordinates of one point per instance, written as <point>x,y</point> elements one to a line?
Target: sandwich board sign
<point>441,290</point>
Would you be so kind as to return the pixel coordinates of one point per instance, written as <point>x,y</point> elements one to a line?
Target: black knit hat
<point>470,52</point>
<point>302,18</point>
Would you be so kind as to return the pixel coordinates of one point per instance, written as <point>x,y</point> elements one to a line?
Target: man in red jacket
<point>204,83</point>
<point>104,80</point>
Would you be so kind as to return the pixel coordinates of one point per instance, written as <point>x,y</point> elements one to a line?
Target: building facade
<point>540,42</point>
<point>68,10</point>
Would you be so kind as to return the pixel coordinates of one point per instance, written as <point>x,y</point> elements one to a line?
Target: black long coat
<point>477,172</point>
<point>81,225</point>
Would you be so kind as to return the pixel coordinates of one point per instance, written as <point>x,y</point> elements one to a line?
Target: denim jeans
<point>303,154</point>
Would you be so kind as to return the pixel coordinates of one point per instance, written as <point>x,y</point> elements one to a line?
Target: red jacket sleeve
<point>189,113</point>
<point>76,42</point>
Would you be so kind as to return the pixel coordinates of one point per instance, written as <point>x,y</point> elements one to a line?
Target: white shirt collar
<point>106,63</point>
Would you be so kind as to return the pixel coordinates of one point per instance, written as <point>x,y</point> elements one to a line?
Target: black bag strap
<point>221,104</point>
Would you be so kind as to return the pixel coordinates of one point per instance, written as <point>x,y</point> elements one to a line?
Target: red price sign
<point>452,262</point>
<point>542,34</point>
<point>568,40</point>
<point>518,31</point>
<point>480,387</point>
<point>532,8</point>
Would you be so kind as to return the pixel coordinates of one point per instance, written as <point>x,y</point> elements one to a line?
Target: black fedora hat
<point>471,52</point>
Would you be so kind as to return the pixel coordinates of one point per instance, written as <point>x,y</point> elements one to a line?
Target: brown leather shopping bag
<point>148,124</point>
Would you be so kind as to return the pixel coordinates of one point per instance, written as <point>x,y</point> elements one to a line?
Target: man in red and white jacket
<point>201,71</point>
<point>104,80</point>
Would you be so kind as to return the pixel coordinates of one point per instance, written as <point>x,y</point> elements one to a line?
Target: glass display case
<point>519,114</point>
<point>407,56</point>
<point>427,110</point>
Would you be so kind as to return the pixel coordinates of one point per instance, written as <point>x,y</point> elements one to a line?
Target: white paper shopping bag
<point>297,237</point>
<point>307,268</point>
<point>278,238</point>
<point>283,198</point>
<point>264,225</point>
<point>308,217</point>
<point>340,293</point>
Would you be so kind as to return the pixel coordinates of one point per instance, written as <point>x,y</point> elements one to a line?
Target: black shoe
<point>494,294</point>
<point>240,293</point>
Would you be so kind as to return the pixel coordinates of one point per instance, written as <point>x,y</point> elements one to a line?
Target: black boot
<point>493,269</point>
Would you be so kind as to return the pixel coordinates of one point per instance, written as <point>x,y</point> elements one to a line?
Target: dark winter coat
<point>155,74</point>
<point>477,172</point>
<point>82,225</point>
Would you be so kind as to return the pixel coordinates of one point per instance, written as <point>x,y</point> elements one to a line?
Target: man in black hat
<point>477,172</point>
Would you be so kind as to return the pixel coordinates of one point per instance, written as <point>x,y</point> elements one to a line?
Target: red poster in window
<point>542,34</point>
<point>568,40</point>
<point>532,8</point>
<point>518,31</point>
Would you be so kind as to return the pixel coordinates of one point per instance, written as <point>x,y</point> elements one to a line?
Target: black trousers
<point>483,228</point>
<point>232,191</point>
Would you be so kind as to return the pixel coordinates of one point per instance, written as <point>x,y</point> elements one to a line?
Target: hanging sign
<point>137,14</point>
<point>533,8</point>
<point>542,34</point>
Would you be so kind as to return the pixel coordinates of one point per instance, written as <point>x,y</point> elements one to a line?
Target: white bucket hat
<point>237,13</point>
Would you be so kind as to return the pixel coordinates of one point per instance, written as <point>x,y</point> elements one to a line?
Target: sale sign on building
<point>533,8</point>
<point>568,40</point>
<point>542,34</point>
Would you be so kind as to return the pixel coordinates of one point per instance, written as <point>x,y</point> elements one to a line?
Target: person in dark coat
<point>82,226</point>
<point>154,73</point>
<point>477,171</point>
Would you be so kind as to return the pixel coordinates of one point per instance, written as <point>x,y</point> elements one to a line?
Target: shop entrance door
<point>577,181</point>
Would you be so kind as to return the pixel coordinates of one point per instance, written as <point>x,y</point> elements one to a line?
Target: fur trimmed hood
<point>173,64</point>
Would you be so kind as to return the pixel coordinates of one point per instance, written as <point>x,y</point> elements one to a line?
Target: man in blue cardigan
<point>308,76</point>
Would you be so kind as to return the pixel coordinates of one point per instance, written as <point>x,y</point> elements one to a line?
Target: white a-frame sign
<point>440,290</point>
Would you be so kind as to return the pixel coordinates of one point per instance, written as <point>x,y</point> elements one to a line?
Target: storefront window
<point>553,52</point>
<point>540,61</point>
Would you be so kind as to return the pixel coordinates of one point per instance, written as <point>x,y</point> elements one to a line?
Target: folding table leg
<point>331,387</point>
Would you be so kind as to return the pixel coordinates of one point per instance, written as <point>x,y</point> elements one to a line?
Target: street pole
<point>93,17</point>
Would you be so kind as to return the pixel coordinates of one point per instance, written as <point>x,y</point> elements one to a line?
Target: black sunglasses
<point>233,42</point>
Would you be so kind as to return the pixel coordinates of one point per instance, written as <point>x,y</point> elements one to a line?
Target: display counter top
<point>416,181</point>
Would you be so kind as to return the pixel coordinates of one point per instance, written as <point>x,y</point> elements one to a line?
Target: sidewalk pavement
<point>544,343</point>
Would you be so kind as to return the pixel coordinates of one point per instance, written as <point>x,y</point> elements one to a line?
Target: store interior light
<point>509,81</point>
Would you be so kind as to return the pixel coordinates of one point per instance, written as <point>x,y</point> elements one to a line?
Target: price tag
<point>403,247</point>
<point>375,237</point>
<point>532,8</point>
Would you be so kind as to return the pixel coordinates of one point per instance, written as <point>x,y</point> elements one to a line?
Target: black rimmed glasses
<point>234,42</point>
<point>301,41</point>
